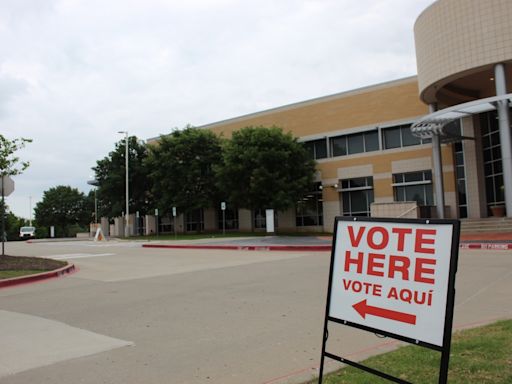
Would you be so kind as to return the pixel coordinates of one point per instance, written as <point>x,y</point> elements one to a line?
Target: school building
<point>434,145</point>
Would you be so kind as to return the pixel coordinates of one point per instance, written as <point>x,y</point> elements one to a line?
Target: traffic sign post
<point>157,221</point>
<point>223,208</point>
<point>6,188</point>
<point>395,278</point>
<point>174,214</point>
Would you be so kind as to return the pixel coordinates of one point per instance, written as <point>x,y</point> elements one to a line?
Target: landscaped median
<point>20,269</point>
<point>480,355</point>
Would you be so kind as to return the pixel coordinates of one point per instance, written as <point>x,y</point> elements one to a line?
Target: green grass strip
<point>9,274</point>
<point>480,356</point>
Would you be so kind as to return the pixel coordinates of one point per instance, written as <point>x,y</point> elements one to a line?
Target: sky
<point>75,72</point>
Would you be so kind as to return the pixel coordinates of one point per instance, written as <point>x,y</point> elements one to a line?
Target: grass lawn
<point>15,266</point>
<point>480,355</point>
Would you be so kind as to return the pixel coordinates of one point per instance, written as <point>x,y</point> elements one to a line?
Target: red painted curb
<point>493,246</point>
<point>38,276</point>
<point>246,247</point>
<point>311,248</point>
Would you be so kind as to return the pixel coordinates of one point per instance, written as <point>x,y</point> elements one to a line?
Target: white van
<point>27,233</point>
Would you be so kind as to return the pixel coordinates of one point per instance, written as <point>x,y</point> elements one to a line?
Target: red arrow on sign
<point>363,309</point>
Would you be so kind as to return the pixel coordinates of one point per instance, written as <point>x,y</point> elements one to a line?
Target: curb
<point>310,248</point>
<point>70,268</point>
<point>246,247</point>
<point>493,246</point>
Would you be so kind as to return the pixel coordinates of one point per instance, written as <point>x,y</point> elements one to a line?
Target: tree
<point>181,169</point>
<point>110,174</point>
<point>63,207</point>
<point>13,224</point>
<point>265,168</point>
<point>10,165</point>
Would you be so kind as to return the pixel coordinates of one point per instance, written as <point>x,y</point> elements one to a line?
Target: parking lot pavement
<point>199,316</point>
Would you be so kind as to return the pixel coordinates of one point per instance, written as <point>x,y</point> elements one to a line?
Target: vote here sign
<point>393,276</point>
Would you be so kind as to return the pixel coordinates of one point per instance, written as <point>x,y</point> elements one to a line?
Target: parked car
<point>27,233</point>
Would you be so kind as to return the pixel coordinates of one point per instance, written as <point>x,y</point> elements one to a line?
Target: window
<point>260,218</point>
<point>355,143</point>
<point>493,166</point>
<point>458,148</point>
<point>195,220</point>
<point>400,136</point>
<point>357,195</point>
<point>231,217</point>
<point>414,186</point>
<point>165,224</point>
<point>309,210</point>
<point>317,148</point>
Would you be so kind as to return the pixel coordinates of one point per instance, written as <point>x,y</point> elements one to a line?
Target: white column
<point>438,170</point>
<point>505,136</point>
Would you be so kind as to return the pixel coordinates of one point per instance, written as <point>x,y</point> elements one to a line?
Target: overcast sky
<point>74,72</point>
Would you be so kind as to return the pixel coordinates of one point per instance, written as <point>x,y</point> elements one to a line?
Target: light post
<point>127,197</point>
<point>95,183</point>
<point>30,210</point>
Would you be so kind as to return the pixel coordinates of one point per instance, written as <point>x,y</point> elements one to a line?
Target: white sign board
<point>392,277</point>
<point>6,186</point>
<point>223,205</point>
<point>269,215</point>
<point>174,211</point>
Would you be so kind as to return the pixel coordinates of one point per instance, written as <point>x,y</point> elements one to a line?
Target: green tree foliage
<point>110,173</point>
<point>181,169</point>
<point>12,223</point>
<point>65,208</point>
<point>265,168</point>
<point>10,164</point>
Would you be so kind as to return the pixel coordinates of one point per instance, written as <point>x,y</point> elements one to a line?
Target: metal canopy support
<point>438,170</point>
<point>434,126</point>
<point>505,136</point>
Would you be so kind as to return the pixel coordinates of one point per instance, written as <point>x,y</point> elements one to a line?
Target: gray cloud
<point>73,73</point>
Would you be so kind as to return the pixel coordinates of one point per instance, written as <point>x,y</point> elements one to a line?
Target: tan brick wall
<point>244,220</point>
<point>389,102</point>
<point>210,222</point>
<point>458,37</point>
<point>286,220</point>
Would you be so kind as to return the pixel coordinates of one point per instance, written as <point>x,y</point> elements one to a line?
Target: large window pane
<point>339,146</point>
<point>429,195</point>
<point>317,148</point>
<point>321,149</point>
<point>371,141</point>
<point>260,218</point>
<point>413,176</point>
<point>309,209</point>
<point>310,147</point>
<point>408,138</point>
<point>392,138</point>
<point>413,187</point>
<point>357,202</point>
<point>355,143</point>
<point>415,193</point>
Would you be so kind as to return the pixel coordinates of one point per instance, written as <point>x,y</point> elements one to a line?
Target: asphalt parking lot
<point>136,315</point>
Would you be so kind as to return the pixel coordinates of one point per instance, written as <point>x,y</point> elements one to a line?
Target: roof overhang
<point>436,123</point>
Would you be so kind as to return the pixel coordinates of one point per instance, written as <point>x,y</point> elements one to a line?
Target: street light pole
<point>30,210</point>
<point>127,197</point>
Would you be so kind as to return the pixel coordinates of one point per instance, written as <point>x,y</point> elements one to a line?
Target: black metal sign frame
<point>450,299</point>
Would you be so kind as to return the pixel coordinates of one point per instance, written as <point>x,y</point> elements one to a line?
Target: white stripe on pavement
<point>77,255</point>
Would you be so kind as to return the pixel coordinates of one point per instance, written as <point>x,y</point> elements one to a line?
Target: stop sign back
<point>6,186</point>
<point>393,277</point>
